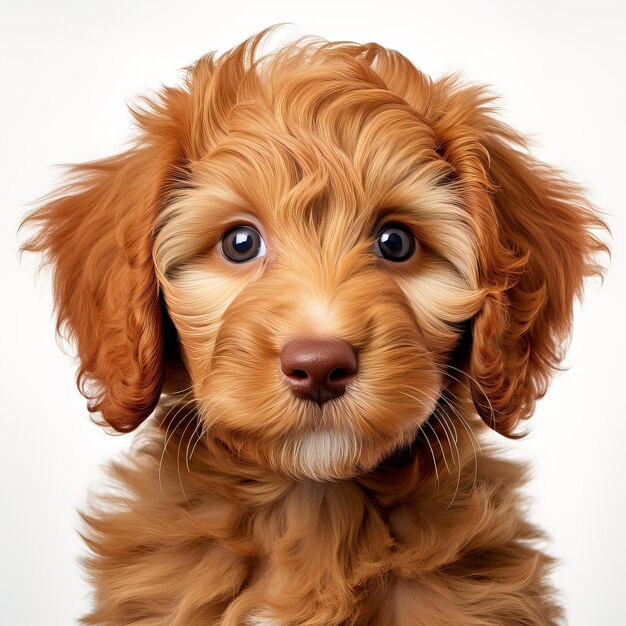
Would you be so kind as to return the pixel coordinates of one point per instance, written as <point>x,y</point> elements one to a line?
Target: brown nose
<point>318,369</point>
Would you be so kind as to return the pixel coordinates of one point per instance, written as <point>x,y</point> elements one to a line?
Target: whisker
<point>460,416</point>
<point>180,421</point>
<point>443,453</point>
<point>438,410</point>
<point>203,431</point>
<point>204,428</point>
<point>427,440</point>
<point>196,434</point>
<point>466,425</point>
<point>179,391</point>
<point>441,417</point>
<point>491,409</point>
<point>180,441</point>
<point>472,438</point>
<point>167,437</point>
<point>471,434</point>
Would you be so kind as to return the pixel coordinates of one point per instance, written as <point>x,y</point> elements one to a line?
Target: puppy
<point>319,277</point>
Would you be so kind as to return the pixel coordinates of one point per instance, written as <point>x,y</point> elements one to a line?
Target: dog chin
<point>327,455</point>
<point>324,455</point>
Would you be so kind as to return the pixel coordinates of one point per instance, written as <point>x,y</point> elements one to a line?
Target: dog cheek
<point>441,300</point>
<point>196,301</point>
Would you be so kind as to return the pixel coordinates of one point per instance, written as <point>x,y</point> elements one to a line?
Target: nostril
<point>339,373</point>
<point>301,374</point>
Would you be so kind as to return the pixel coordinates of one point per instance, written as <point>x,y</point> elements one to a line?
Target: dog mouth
<point>312,438</point>
<point>318,407</point>
<point>323,454</point>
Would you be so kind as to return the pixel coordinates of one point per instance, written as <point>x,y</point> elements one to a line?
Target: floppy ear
<point>97,235</point>
<point>536,243</point>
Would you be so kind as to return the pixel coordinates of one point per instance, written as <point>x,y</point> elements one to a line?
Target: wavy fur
<point>240,503</point>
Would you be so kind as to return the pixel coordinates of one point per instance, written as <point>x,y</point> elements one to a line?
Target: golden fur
<point>239,502</point>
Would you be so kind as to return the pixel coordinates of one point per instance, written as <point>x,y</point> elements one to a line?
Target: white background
<point>67,71</point>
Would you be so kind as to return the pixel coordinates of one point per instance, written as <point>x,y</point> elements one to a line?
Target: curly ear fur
<point>96,233</point>
<point>536,245</point>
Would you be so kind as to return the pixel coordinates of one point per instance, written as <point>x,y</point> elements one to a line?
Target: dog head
<point>329,238</point>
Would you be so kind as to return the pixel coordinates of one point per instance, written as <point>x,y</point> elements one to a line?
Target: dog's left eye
<point>395,243</point>
<point>242,243</point>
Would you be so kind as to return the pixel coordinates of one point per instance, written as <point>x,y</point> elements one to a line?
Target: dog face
<point>342,242</point>
<point>335,238</point>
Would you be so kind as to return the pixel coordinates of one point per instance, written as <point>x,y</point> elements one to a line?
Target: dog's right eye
<point>242,243</point>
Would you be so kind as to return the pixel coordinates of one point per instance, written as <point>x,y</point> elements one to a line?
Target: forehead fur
<point>311,134</point>
<point>330,89</point>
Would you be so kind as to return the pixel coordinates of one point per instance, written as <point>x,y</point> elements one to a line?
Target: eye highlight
<point>395,242</point>
<point>242,243</point>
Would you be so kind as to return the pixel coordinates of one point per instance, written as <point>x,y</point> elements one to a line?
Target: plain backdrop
<point>68,70</point>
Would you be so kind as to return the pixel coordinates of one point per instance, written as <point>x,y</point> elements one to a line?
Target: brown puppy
<point>319,273</point>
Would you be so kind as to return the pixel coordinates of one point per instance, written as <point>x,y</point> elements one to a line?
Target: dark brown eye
<point>242,243</point>
<point>395,243</point>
